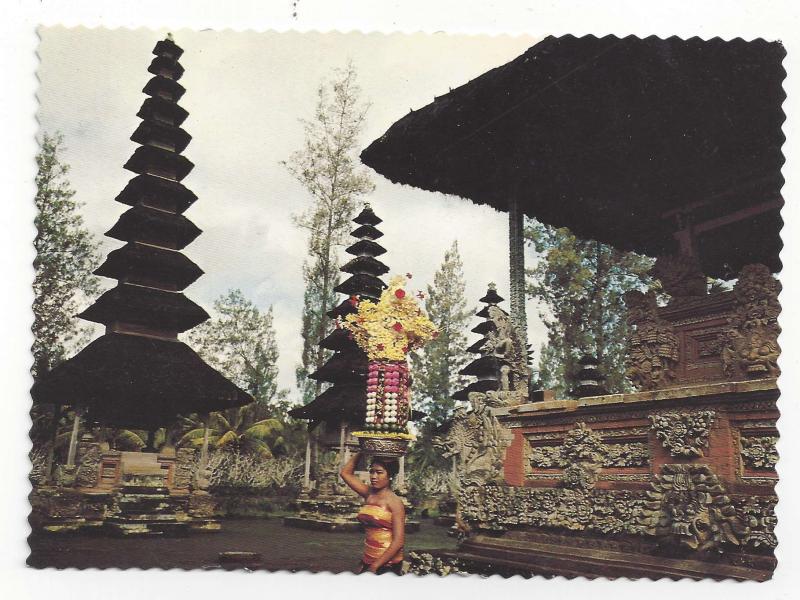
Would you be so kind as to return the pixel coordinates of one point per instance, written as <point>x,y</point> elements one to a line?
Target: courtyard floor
<point>281,547</point>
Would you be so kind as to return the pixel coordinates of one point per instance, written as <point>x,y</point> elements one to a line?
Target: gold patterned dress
<point>377,523</point>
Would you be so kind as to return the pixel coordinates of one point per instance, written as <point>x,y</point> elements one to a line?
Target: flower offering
<point>387,331</point>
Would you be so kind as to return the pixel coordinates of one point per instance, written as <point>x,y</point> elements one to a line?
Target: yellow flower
<point>392,327</point>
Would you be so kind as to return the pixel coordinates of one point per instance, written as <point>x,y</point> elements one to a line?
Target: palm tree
<point>234,430</point>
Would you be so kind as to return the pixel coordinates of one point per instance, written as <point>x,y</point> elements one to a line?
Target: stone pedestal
<point>125,493</point>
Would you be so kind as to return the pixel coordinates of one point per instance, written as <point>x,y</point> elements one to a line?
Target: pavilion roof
<point>138,382</point>
<point>618,139</point>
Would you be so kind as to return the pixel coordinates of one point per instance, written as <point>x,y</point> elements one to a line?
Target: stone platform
<point>676,482</point>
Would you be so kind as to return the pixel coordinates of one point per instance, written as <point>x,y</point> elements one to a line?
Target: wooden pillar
<point>342,430</point>
<point>58,411</point>
<point>307,472</point>
<point>516,257</point>
<point>204,447</point>
<point>73,440</point>
<point>401,472</point>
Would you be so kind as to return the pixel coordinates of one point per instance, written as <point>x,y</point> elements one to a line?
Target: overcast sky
<point>245,94</point>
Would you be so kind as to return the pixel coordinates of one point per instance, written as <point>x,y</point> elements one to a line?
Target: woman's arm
<point>348,473</point>
<point>398,534</point>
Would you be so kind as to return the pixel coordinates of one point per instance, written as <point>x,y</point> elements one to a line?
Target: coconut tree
<point>235,430</point>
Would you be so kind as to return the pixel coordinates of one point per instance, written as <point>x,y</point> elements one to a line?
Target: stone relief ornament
<point>759,452</point>
<point>751,342</point>
<point>89,465</point>
<point>688,504</point>
<point>652,352</point>
<point>424,563</point>
<point>185,464</point>
<point>758,514</point>
<point>683,434</point>
<point>681,276</point>
<point>498,508</point>
<point>633,454</point>
<point>583,450</point>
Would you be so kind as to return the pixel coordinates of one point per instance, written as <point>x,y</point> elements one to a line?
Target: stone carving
<point>751,342</point>
<point>89,460</point>
<point>478,442</point>
<point>688,504</point>
<point>547,457</point>
<point>424,563</point>
<point>634,454</point>
<point>184,467</point>
<point>504,343</point>
<point>683,434</point>
<point>497,508</point>
<point>760,452</point>
<point>681,276</point>
<point>652,352</point>
<point>758,513</point>
<point>583,450</point>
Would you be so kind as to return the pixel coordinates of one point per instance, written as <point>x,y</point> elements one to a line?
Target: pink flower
<point>400,293</point>
<point>397,327</point>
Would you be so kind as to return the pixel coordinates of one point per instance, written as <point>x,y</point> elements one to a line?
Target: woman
<point>383,516</point>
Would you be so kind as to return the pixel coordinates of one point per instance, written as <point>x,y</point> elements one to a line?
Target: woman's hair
<point>391,465</point>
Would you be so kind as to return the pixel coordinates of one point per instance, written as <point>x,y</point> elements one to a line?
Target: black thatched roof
<point>614,138</point>
<point>138,382</point>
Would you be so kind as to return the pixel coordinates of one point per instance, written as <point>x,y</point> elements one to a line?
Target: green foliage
<point>66,255</point>
<point>236,430</point>
<point>436,367</point>
<point>580,286</point>
<point>240,342</point>
<point>328,168</point>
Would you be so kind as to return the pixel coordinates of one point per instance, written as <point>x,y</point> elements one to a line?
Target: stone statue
<point>751,342</point>
<point>652,354</point>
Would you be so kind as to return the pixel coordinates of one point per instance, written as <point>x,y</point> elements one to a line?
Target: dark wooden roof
<point>157,192</point>
<point>150,265</point>
<point>138,382</point>
<point>616,139</point>
<point>145,306</point>
<point>157,227</point>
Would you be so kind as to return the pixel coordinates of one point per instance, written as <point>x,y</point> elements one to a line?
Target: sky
<point>246,93</point>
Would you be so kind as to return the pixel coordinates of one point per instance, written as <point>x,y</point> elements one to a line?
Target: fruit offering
<point>388,397</point>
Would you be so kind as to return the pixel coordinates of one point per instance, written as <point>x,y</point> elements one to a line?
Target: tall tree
<point>328,169</point>
<point>580,286</point>
<point>240,342</point>
<point>66,255</point>
<point>436,367</point>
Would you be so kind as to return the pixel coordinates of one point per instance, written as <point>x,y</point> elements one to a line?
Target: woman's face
<point>378,476</point>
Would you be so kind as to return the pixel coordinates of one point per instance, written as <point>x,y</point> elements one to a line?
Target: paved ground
<point>282,548</point>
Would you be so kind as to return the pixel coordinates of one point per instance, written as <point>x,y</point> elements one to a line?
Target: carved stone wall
<point>699,337</point>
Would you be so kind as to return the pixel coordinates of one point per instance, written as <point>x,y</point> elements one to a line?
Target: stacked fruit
<point>388,405</point>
